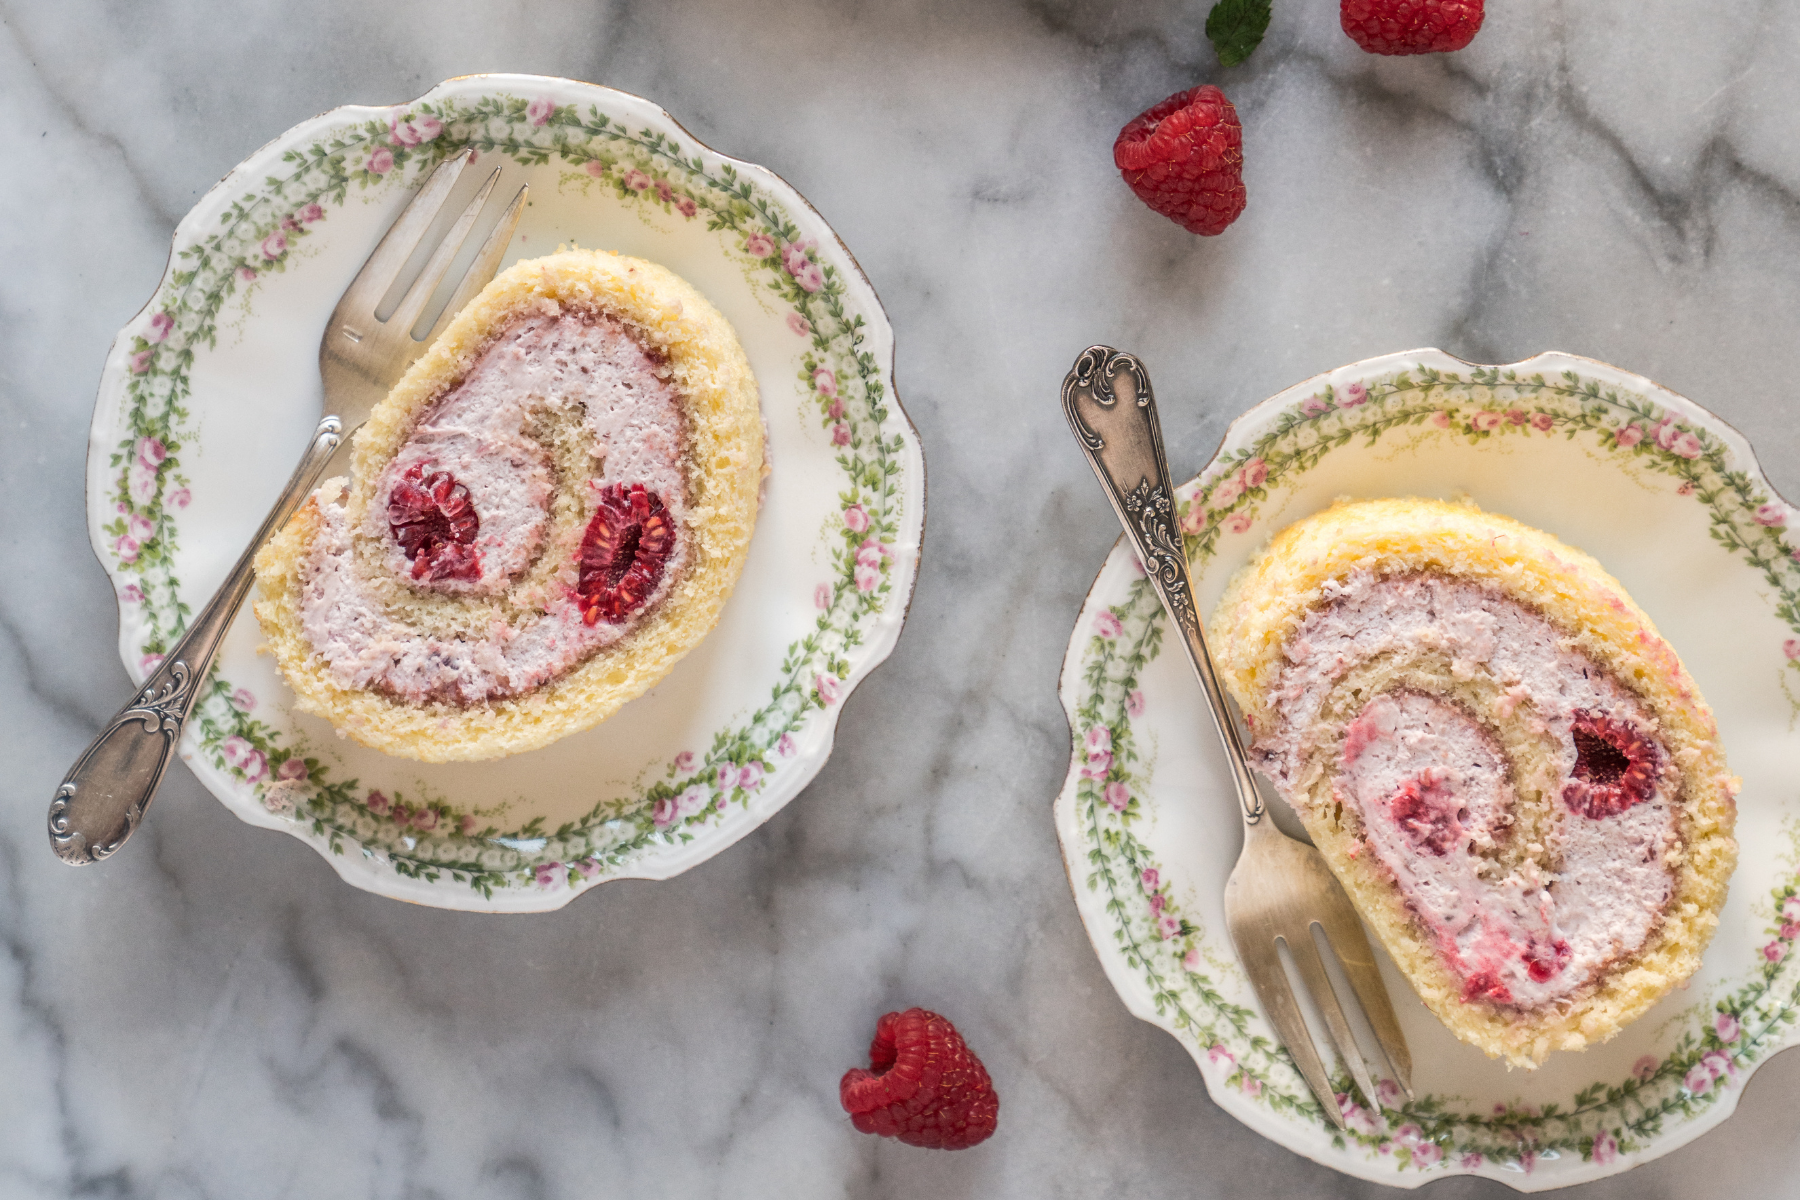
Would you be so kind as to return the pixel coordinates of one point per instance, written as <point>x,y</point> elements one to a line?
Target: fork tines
<point>355,321</point>
<point>1268,905</point>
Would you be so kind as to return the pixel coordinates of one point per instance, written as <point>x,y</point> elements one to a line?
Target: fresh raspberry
<point>623,552</point>
<point>924,1085</point>
<point>1615,766</point>
<point>1185,159</point>
<point>1411,26</point>
<point>435,523</point>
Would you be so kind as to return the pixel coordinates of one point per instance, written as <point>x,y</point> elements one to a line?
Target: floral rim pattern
<point>266,231</point>
<point>1173,955</point>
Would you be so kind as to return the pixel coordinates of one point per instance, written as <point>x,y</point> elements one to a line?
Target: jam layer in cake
<point>548,511</point>
<point>1442,695</point>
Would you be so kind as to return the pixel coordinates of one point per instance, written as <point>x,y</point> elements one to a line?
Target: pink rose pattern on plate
<point>640,168</point>
<point>1612,1121</point>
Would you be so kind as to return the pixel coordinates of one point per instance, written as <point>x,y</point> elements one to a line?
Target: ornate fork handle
<point>1110,406</point>
<point>104,796</point>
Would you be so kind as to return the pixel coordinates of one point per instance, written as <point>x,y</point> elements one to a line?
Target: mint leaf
<point>1236,27</point>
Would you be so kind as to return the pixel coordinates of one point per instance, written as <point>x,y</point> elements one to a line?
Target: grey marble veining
<point>214,1015</point>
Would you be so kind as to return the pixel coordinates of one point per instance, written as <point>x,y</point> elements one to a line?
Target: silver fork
<point>1280,889</point>
<point>103,797</point>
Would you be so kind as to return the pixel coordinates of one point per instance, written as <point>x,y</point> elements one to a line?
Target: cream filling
<point>562,404</point>
<point>1498,882</point>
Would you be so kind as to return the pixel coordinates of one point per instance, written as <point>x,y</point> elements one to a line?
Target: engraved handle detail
<point>1112,410</point>
<point>105,793</point>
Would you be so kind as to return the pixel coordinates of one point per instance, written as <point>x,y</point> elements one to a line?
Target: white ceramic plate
<point>211,392</point>
<point>1671,501</point>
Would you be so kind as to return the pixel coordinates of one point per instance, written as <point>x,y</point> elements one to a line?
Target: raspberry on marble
<point>1185,159</point>
<point>923,1085</point>
<point>1411,26</point>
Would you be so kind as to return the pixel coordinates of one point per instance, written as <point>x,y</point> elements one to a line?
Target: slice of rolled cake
<point>1509,770</point>
<point>547,512</point>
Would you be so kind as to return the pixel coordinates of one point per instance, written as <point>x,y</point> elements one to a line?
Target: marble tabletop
<point>214,1014</point>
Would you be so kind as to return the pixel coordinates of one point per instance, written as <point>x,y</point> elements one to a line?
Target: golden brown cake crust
<point>723,467</point>
<point>1264,605</point>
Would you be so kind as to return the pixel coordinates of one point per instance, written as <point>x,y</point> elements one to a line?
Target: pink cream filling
<point>547,367</point>
<point>1435,794</point>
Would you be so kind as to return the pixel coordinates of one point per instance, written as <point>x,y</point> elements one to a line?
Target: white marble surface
<point>213,1014</point>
